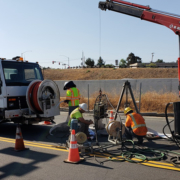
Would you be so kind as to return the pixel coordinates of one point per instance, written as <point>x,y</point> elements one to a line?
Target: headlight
<point>11,104</point>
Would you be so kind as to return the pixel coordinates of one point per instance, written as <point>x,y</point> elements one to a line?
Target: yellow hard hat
<point>127,110</point>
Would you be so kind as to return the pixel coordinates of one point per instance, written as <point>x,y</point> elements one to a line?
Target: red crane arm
<point>132,4</point>
<point>171,21</point>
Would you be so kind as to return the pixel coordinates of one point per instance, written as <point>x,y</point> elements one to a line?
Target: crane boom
<point>171,21</point>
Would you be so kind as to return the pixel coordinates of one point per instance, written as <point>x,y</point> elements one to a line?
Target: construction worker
<point>77,114</point>
<point>72,96</point>
<point>135,125</point>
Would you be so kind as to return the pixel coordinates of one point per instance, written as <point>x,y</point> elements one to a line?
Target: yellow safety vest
<point>73,95</point>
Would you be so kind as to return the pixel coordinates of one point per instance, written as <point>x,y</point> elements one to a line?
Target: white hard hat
<point>83,106</point>
<point>65,85</point>
<point>69,84</point>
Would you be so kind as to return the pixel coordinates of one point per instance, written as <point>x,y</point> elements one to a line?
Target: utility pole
<point>152,57</point>
<point>83,59</point>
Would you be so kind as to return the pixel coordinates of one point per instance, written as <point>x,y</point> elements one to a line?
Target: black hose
<point>164,131</point>
<point>168,124</point>
<point>167,121</point>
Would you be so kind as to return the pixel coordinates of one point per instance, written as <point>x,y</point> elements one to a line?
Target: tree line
<point>131,59</point>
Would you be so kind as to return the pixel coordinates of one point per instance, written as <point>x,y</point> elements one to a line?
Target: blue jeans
<point>84,128</point>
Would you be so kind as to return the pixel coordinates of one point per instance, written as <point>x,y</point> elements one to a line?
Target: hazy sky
<point>44,30</point>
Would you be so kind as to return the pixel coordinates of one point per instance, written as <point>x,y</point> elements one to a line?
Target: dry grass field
<point>150,101</point>
<point>109,73</point>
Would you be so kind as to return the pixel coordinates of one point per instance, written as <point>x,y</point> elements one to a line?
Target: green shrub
<point>151,65</point>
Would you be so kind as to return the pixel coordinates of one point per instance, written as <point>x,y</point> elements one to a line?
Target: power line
<point>99,33</point>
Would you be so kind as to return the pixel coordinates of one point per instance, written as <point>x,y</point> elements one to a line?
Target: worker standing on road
<point>72,99</point>
<point>135,125</point>
<point>77,114</point>
<point>72,96</point>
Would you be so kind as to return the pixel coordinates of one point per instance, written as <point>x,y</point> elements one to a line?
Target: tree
<point>89,62</point>
<point>100,62</point>
<point>122,63</point>
<point>131,59</point>
<point>151,65</point>
<point>109,66</point>
<point>159,61</point>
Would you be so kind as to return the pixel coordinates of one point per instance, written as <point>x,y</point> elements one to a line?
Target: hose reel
<point>115,129</point>
<point>81,137</point>
<point>42,97</point>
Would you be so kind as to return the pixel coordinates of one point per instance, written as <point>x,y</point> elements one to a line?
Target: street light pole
<point>24,53</point>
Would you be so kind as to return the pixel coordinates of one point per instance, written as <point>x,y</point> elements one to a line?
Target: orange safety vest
<point>137,123</point>
<point>73,95</point>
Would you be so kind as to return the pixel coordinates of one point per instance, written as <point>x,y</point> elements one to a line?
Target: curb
<point>143,114</point>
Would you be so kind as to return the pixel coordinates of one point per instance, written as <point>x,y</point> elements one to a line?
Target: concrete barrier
<point>115,86</point>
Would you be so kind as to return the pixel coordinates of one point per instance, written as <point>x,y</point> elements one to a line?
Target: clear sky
<point>44,30</point>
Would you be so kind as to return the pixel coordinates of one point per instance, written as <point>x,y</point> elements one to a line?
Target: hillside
<point>109,73</point>
<point>150,102</point>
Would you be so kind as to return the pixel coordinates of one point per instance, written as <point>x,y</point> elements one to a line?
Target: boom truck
<point>171,21</point>
<point>25,97</point>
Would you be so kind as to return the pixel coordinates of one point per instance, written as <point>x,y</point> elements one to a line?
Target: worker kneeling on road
<point>77,114</point>
<point>135,125</point>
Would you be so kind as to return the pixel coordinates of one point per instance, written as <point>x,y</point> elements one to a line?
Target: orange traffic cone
<point>111,117</point>
<point>47,122</point>
<point>19,144</point>
<point>73,156</point>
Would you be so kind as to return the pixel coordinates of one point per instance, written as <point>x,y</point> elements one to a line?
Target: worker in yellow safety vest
<point>135,125</point>
<point>72,96</point>
<point>77,114</point>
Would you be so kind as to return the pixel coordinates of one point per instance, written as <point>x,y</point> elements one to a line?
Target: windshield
<point>20,73</point>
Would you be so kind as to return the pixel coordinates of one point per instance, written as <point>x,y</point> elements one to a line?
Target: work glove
<point>66,101</point>
<point>90,121</point>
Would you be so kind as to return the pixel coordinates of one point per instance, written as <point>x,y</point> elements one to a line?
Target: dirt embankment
<point>109,73</point>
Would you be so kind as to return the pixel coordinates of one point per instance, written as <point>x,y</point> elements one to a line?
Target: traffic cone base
<point>80,159</point>
<point>19,146</point>
<point>73,156</point>
<point>47,122</point>
<point>21,149</point>
<point>19,143</point>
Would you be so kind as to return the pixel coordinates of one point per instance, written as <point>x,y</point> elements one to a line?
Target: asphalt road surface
<point>44,158</point>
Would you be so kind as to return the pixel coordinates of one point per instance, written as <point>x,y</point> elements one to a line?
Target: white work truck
<point>24,96</point>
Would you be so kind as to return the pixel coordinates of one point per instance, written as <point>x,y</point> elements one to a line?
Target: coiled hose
<point>174,139</point>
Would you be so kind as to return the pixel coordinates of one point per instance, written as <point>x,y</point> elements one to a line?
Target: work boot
<point>139,142</point>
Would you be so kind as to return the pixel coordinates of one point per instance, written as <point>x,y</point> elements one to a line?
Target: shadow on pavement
<point>21,169</point>
<point>95,165</point>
